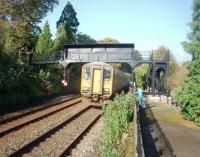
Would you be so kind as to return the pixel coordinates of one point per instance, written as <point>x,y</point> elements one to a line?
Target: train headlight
<point>85,90</point>
<point>106,91</point>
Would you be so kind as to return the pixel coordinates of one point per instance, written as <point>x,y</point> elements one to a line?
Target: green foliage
<point>189,94</point>
<point>116,115</point>
<point>17,84</point>
<point>137,55</point>
<point>69,20</point>
<point>140,75</point>
<point>74,77</point>
<point>27,11</point>
<point>21,84</point>
<point>125,67</point>
<point>84,39</point>
<point>44,80</point>
<point>61,38</point>
<point>3,37</point>
<point>45,43</point>
<point>20,18</point>
<point>15,39</point>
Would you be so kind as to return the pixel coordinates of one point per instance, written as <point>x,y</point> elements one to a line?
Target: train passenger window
<point>107,74</point>
<point>87,73</point>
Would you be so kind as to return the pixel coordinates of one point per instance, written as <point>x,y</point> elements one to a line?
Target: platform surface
<point>183,135</point>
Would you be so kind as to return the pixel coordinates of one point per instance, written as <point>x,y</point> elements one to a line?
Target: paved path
<point>185,141</point>
<point>183,135</point>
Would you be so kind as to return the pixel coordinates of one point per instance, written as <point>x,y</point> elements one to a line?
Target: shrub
<point>116,115</point>
<point>21,84</point>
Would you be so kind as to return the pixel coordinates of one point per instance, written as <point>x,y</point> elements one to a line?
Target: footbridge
<point>112,53</point>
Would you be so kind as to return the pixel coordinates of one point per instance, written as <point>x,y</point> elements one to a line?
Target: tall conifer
<point>69,20</point>
<point>45,43</point>
<point>61,38</point>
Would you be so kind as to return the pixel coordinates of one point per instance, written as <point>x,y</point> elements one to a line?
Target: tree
<point>176,76</point>
<point>176,72</point>
<point>21,18</point>
<point>45,43</point>
<point>140,75</point>
<point>84,39</point>
<point>160,53</point>
<point>189,95</point>
<point>61,38</point>
<point>108,40</point>
<point>3,31</point>
<point>20,84</point>
<point>69,20</point>
<point>137,55</point>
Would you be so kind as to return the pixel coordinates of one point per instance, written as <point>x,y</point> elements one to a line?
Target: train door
<point>97,81</point>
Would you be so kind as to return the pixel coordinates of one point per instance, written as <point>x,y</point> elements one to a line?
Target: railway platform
<point>183,135</point>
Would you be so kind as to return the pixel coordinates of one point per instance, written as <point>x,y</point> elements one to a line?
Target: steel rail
<point>68,149</point>
<point>15,128</point>
<point>36,110</point>
<point>30,145</point>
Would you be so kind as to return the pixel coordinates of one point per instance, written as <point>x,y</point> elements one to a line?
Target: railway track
<point>59,140</point>
<point>43,107</point>
<point>18,132</point>
<point>20,137</point>
<point>17,122</point>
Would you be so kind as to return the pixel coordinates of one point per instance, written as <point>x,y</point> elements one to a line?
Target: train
<point>99,80</point>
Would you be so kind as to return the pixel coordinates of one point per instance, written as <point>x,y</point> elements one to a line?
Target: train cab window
<point>107,73</point>
<point>87,73</point>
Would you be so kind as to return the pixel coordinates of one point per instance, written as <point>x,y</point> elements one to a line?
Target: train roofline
<point>98,63</point>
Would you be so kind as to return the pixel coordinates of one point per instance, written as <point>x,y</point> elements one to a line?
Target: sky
<point>146,23</point>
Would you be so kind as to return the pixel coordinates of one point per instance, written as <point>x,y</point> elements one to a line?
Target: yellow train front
<point>100,80</point>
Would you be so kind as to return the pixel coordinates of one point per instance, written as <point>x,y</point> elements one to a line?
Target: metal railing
<point>130,57</point>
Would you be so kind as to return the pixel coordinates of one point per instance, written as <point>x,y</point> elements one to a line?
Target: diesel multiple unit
<point>100,80</point>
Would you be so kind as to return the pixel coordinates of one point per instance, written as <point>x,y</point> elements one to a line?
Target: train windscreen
<point>87,73</point>
<point>107,74</point>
